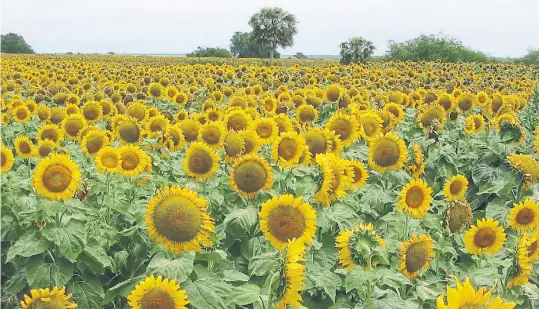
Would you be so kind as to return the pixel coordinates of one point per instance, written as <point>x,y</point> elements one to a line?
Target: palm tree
<point>273,27</point>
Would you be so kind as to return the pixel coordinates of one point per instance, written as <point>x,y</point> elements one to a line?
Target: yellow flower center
<point>177,218</point>
<point>109,160</point>
<point>57,178</point>
<point>316,141</point>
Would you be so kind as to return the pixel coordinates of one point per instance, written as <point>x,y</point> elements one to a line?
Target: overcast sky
<point>499,27</point>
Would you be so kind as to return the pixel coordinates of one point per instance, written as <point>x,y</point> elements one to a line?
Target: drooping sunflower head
<point>174,139</point>
<point>370,125</point>
<point>306,113</point>
<point>266,129</point>
<point>417,164</point>
<point>73,125</point>
<point>345,126</point>
<point>284,218</point>
<point>133,160</point>
<point>415,198</point>
<point>158,293</point>
<point>190,129</point>
<point>387,152</point>
<point>486,236</point>
<point>524,216</point>
<point>465,296</point>
<point>458,216</point>
<point>237,120</point>
<point>532,244</point>
<point>332,93</point>
<point>109,160</point>
<point>293,271</point>
<point>337,177</point>
<point>361,246</point>
<point>200,161</point>
<point>24,147</point>
<point>432,117</point>
<point>508,118</point>
<point>7,159</point>
<point>526,164</point>
<point>48,299</point>
<point>21,113</point>
<point>56,177</point>
<point>388,118</point>
<point>521,267</point>
<point>360,174</point>
<point>92,111</point>
<point>416,254</point>
<point>251,174</point>
<point>177,218</point>
<point>512,133</point>
<point>474,124</point>
<point>94,141</point>
<point>128,130</point>
<point>43,112</point>
<point>456,187</point>
<point>287,149</point>
<point>251,140</point>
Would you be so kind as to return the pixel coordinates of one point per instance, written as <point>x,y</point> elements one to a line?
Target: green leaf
<point>243,295</point>
<point>217,256</point>
<point>28,245</point>
<point>496,209</point>
<point>95,257</point>
<point>70,238</point>
<point>16,283</point>
<point>234,275</point>
<point>263,264</point>
<point>322,278</point>
<point>122,289</point>
<point>205,294</point>
<point>41,274</point>
<point>179,268</point>
<point>87,293</point>
<point>355,279</point>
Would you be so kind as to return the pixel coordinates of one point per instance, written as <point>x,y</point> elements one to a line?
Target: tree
<point>242,45</point>
<point>300,56</point>
<point>433,47</point>
<point>532,57</point>
<point>15,44</point>
<point>273,27</point>
<point>210,52</point>
<point>356,50</point>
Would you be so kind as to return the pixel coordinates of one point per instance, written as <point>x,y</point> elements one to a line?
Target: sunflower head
<point>474,124</point>
<point>251,140</point>
<point>237,120</point>
<point>200,161</point>
<point>415,198</point>
<point>465,296</point>
<point>288,148</point>
<point>285,218</point>
<point>333,93</point>
<point>306,113</point>
<point>158,293</point>
<point>177,218</point>
<point>524,216</point>
<point>7,159</point>
<point>251,174</point>
<point>21,113</point>
<point>133,160</point>
<point>108,159</point>
<point>94,141</point>
<point>345,126</point>
<point>92,111</point>
<point>234,144</point>
<point>526,164</point>
<point>361,246</point>
<point>190,129</point>
<point>54,298</point>
<point>155,90</point>
<point>128,130</point>
<point>318,141</point>
<point>458,216</point>
<point>73,125</point>
<point>456,187</point>
<point>416,254</point>
<point>24,147</point>
<point>292,273</point>
<point>370,125</point>
<point>486,236</point>
<point>387,152</point>
<point>56,177</point>
<point>432,117</point>
<point>360,174</point>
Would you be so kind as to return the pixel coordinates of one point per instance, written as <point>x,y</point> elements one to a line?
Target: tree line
<point>274,28</point>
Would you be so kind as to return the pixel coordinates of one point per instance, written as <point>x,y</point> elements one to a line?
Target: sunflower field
<point>168,183</point>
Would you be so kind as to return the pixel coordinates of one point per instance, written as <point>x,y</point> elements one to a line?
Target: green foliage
<point>242,45</point>
<point>356,50</point>
<point>273,27</point>
<point>433,47</point>
<point>15,44</point>
<point>531,58</point>
<point>210,52</point>
<point>300,56</point>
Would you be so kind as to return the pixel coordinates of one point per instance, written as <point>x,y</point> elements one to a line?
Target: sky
<point>501,28</point>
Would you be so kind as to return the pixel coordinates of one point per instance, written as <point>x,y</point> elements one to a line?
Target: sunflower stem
<point>406,225</point>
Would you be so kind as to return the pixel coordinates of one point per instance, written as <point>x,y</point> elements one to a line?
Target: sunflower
<point>24,147</point>
<point>360,246</point>
<point>417,165</point>
<point>44,148</point>
<point>269,105</point>
<point>432,117</point>
<point>155,90</point>
<point>306,113</point>
<point>415,198</point>
<point>266,129</point>
<point>157,124</point>
<point>234,145</point>
<point>251,140</point>
<point>332,93</point>
<point>56,177</point>
<point>512,133</point>
<point>456,187</point>
<point>341,179</point>
<point>180,98</point>
<point>177,218</point>
<point>532,244</point>
<point>128,130</point>
<point>200,161</point>
<point>474,124</point>
<point>293,271</point>
<point>92,111</point>
<point>482,98</point>
<point>50,132</point>
<point>458,216</point>
<point>237,120</point>
<point>388,119</point>
<point>174,139</point>
<point>283,123</point>
<point>43,113</point>
<point>287,149</point>
<point>465,103</point>
<point>21,113</point>
<point>464,296</point>
<point>251,174</point>
<point>108,108</point>
<point>387,152</point>
<point>487,235</point>
<point>47,298</point>
<point>396,110</point>
<point>526,164</point>
<point>504,118</point>
<point>524,216</point>
<point>521,267</point>
<point>323,194</point>
<point>158,293</point>
<point>93,141</point>
<point>72,109</point>
<point>109,160</point>
<point>415,255</point>
<point>446,101</point>
<point>212,134</point>
<point>345,126</point>
<point>360,174</point>
<point>57,115</point>
<point>318,141</point>
<point>370,125</point>
<point>285,218</point>
<point>138,111</point>
<point>190,129</point>
<point>133,160</point>
<point>7,158</point>
<point>73,125</point>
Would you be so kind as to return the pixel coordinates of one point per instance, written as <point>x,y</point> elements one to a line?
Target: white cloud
<point>499,27</point>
